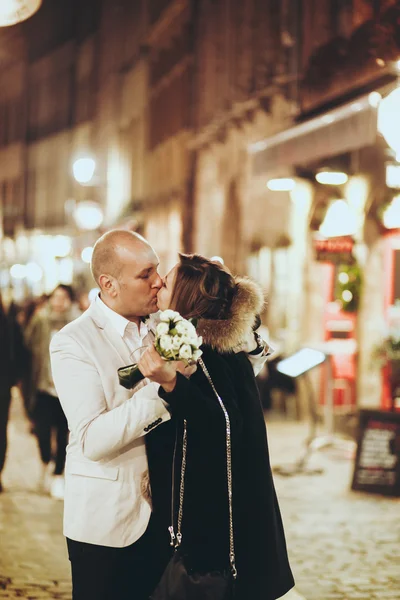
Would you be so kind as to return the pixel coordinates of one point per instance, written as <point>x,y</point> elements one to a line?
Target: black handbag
<point>179,581</point>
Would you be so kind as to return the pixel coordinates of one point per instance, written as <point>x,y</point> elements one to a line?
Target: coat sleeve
<point>100,431</point>
<point>188,401</point>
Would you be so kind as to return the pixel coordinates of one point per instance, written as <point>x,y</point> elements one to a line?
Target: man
<point>116,550</point>
<point>112,547</point>
<point>47,413</point>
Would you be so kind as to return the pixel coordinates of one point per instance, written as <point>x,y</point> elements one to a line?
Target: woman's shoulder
<point>235,363</point>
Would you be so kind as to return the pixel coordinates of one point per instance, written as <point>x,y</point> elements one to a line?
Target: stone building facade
<point>189,107</point>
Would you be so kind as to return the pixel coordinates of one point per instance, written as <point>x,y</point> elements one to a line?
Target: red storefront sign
<point>338,250</point>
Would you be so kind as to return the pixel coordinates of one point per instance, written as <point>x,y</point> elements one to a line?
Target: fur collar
<point>224,335</point>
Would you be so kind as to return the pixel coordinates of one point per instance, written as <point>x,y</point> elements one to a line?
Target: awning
<point>340,130</point>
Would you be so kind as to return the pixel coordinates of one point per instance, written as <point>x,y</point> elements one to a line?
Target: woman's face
<point>164,296</point>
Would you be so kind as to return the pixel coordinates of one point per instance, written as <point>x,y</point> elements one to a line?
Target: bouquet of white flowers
<point>175,339</point>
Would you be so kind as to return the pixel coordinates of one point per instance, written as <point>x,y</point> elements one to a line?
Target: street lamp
<point>88,215</point>
<point>15,11</point>
<point>388,120</point>
<point>83,169</point>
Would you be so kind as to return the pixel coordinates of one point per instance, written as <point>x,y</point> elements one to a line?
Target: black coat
<point>261,556</point>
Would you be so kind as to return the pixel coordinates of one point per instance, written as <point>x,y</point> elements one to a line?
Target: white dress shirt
<point>133,337</point>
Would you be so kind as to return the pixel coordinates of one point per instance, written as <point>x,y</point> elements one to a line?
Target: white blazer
<point>106,457</point>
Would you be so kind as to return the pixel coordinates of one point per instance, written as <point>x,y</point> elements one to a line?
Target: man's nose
<point>157,282</point>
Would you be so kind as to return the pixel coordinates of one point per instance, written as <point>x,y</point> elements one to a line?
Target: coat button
<point>146,428</point>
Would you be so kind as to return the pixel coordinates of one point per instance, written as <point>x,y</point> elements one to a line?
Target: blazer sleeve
<point>100,431</point>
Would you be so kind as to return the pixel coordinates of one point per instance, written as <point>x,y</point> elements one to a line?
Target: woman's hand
<point>161,371</point>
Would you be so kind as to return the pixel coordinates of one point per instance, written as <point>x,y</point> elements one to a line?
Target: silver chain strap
<point>232,559</point>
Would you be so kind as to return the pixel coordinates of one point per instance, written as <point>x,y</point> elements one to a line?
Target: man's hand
<point>161,371</point>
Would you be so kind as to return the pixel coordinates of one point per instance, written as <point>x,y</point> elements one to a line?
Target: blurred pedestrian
<point>24,315</point>
<point>12,356</point>
<point>47,414</point>
<point>83,301</point>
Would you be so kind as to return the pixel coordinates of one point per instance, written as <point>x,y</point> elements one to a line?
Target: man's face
<point>138,283</point>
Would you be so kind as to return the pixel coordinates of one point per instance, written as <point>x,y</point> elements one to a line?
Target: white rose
<point>177,317</point>
<point>181,327</point>
<point>176,342</point>
<point>196,355</point>
<point>185,352</point>
<point>168,315</point>
<point>162,328</point>
<point>191,329</point>
<point>165,343</point>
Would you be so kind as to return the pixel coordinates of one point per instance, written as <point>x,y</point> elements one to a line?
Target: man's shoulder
<point>77,328</point>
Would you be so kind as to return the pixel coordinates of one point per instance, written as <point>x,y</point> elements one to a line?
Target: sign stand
<point>299,365</point>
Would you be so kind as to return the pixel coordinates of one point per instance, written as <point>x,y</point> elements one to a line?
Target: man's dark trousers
<point>130,573</point>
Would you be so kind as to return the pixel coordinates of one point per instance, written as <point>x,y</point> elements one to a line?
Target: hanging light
<point>281,184</point>
<point>15,11</point>
<point>331,177</point>
<point>388,119</point>
<point>347,295</point>
<point>374,99</point>
<point>391,216</point>
<point>61,246</point>
<point>83,169</point>
<point>393,176</point>
<point>33,272</point>
<point>88,215</point>
<point>86,254</point>
<point>18,271</point>
<point>339,220</point>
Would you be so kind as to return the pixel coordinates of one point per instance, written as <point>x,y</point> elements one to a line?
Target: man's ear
<point>109,285</point>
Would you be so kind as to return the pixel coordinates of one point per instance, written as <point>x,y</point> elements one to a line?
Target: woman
<point>47,413</point>
<point>226,308</point>
<point>12,362</point>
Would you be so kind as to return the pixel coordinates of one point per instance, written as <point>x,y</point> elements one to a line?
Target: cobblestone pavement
<point>343,545</point>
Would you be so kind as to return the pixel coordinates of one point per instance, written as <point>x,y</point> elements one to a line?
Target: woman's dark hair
<point>68,289</point>
<point>203,288</point>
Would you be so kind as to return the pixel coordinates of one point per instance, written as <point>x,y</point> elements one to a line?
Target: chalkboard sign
<point>377,464</point>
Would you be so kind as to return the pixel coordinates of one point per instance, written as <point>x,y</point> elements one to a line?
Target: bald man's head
<point>124,266</point>
<point>108,252</point>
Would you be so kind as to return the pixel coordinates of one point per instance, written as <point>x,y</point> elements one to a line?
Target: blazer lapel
<point>118,344</point>
<point>112,336</point>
